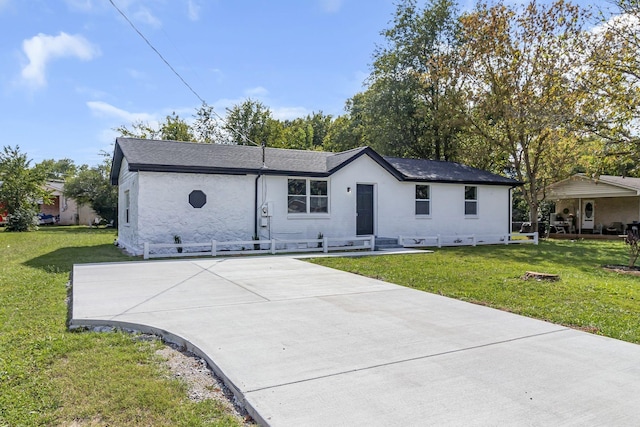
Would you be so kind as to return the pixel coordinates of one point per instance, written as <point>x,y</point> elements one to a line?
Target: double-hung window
<point>470,200</point>
<point>423,200</point>
<point>307,196</point>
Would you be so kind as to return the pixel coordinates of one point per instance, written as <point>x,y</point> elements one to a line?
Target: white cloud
<point>43,48</point>
<point>81,5</point>
<point>331,6</point>
<point>256,92</point>
<point>4,3</point>
<point>136,74</point>
<point>289,113</point>
<point>103,109</point>
<point>144,15</point>
<point>193,10</point>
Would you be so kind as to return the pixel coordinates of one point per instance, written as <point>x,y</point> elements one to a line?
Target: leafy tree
<point>59,169</point>
<point>343,134</point>
<point>297,134</point>
<point>176,129</point>
<point>21,189</point>
<point>139,129</point>
<point>173,128</point>
<point>92,187</point>
<point>206,127</point>
<point>413,94</point>
<point>613,79</point>
<point>248,123</point>
<point>519,94</point>
<point>320,123</point>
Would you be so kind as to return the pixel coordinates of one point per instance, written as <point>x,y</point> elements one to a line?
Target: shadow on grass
<point>62,260</point>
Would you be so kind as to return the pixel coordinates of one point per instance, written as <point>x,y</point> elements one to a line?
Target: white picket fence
<point>254,247</point>
<point>467,240</point>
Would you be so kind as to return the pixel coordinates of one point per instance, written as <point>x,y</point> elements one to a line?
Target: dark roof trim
<point>376,158</point>
<point>116,164</point>
<point>466,182</point>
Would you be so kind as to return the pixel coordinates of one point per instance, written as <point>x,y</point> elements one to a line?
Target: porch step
<point>386,243</point>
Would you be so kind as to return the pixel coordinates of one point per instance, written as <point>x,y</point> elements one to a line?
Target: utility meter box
<point>267,209</point>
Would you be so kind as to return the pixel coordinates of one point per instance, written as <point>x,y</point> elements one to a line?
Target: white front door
<point>588,214</point>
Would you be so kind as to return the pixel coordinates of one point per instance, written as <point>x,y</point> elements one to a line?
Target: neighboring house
<point>204,192</point>
<point>606,204</point>
<point>64,210</point>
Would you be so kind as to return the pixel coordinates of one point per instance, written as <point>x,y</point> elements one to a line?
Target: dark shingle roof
<point>189,157</point>
<point>439,171</point>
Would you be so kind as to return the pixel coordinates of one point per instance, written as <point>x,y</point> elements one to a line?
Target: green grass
<point>586,296</point>
<point>49,376</point>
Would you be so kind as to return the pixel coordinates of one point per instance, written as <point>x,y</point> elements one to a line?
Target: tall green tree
<point>59,169</point>
<point>92,187</point>
<point>612,79</point>
<point>22,187</point>
<point>139,129</point>
<point>413,94</point>
<point>206,125</point>
<point>173,128</point>
<point>249,123</point>
<point>519,93</point>
<point>176,129</point>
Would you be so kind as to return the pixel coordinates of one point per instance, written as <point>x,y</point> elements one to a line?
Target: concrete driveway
<point>302,344</point>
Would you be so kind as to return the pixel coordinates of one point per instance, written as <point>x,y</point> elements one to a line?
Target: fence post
<point>372,243</point>
<point>213,248</point>
<point>325,245</point>
<point>401,241</point>
<point>146,251</point>
<point>438,241</point>
<point>273,246</point>
<point>535,238</point>
<point>506,238</point>
<point>473,240</point>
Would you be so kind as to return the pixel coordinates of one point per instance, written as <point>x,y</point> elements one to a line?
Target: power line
<point>241,134</point>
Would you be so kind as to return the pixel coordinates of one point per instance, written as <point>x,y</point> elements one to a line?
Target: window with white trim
<point>470,200</point>
<point>423,200</point>
<point>306,195</point>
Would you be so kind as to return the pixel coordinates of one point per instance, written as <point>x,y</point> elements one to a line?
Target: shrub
<point>24,218</point>
<point>633,240</point>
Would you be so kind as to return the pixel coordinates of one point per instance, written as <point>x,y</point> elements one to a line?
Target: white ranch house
<point>205,192</point>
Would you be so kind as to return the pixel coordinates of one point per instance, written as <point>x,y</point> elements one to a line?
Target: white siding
<point>394,207</point>
<point>579,187</point>
<point>164,210</point>
<point>128,232</point>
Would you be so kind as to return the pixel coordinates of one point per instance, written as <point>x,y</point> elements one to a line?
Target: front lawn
<point>49,376</point>
<point>586,296</point>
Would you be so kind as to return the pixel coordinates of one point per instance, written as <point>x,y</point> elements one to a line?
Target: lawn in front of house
<point>49,376</point>
<point>586,296</point>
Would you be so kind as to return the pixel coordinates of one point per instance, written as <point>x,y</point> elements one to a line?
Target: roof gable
<point>189,157</point>
<point>582,186</point>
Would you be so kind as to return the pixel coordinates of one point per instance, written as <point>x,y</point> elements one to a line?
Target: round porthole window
<point>197,199</point>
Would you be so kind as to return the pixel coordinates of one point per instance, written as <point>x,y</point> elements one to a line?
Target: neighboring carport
<point>302,344</point>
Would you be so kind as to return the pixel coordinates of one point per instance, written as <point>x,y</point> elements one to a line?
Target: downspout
<point>255,191</point>
<point>255,211</point>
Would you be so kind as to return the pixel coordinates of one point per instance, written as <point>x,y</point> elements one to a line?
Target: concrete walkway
<point>302,344</point>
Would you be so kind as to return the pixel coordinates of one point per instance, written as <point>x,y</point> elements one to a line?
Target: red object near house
<point>3,215</point>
